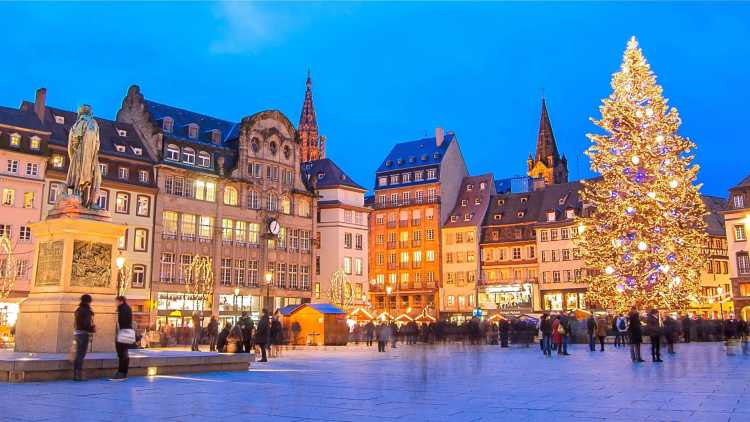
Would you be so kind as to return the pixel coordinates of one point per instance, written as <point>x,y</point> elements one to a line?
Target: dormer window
<point>388,163</point>
<point>738,200</point>
<point>35,143</point>
<point>467,217</point>
<point>204,159</point>
<point>399,162</point>
<point>394,179</point>
<point>423,157</point>
<point>216,136</point>
<point>15,140</point>
<point>469,188</point>
<point>58,161</point>
<point>497,217</point>
<point>570,213</point>
<point>524,199</point>
<point>477,201</point>
<point>406,177</point>
<point>520,214</point>
<point>119,148</point>
<point>550,215</point>
<point>123,173</point>
<point>482,186</point>
<point>321,175</point>
<point>412,159</point>
<point>167,124</point>
<point>287,151</point>
<point>137,151</point>
<point>464,202</point>
<point>122,133</point>
<point>436,155</point>
<point>193,131</point>
<point>60,120</point>
<point>454,218</point>
<point>500,201</point>
<point>173,152</point>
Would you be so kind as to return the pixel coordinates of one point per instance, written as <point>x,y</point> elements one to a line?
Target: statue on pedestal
<point>84,175</point>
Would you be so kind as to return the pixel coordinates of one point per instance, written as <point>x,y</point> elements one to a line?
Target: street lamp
<point>269,277</point>
<point>236,293</point>
<point>720,291</point>
<point>388,291</point>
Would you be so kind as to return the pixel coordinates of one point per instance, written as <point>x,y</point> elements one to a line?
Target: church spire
<point>308,126</point>
<point>547,162</point>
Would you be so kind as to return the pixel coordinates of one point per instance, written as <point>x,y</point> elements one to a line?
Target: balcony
<point>406,203</point>
<point>416,264</point>
<point>391,245</point>
<point>403,244</point>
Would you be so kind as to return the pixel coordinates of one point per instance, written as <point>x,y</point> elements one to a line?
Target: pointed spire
<point>308,125</point>
<point>545,141</point>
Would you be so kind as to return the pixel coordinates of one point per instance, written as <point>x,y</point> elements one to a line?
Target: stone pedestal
<point>75,253</point>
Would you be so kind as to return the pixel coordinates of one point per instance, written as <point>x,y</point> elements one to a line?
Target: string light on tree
<point>643,239</point>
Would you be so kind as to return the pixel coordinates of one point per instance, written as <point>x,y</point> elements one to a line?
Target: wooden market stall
<point>319,324</point>
<point>361,316</point>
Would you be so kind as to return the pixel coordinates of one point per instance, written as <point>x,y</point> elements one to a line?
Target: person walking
<point>213,332</point>
<point>197,330</point>
<point>545,326</point>
<point>636,337</point>
<point>277,337</point>
<point>557,330</point>
<point>246,327</point>
<point>263,334</point>
<point>369,332</point>
<point>122,344</point>
<point>565,321</point>
<point>591,331</point>
<point>654,332</point>
<point>687,324</point>
<point>670,332</point>
<point>601,330</point>
<point>383,333</point>
<point>84,328</point>
<point>621,331</point>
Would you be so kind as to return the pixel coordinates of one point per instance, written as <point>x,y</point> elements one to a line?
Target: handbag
<point>561,329</point>
<point>126,336</point>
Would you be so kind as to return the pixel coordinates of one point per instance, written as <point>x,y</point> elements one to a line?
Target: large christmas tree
<point>642,242</point>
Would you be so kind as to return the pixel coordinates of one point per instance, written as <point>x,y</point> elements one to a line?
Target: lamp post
<point>236,293</point>
<point>269,278</point>
<point>122,275</point>
<point>720,291</point>
<point>388,291</point>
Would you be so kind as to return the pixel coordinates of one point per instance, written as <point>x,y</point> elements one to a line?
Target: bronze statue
<point>84,175</point>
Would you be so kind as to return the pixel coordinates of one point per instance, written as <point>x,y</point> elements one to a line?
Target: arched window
<point>230,196</point>
<point>204,159</point>
<point>253,201</point>
<point>173,152</point>
<point>272,202</point>
<point>286,205</point>
<point>167,124</point>
<point>188,156</point>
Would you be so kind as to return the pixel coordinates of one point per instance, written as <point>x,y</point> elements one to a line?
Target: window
<point>167,267</point>
<point>252,273</point>
<point>122,203</point>
<point>9,197</point>
<point>226,271</point>
<point>286,205</point>
<point>58,161</point>
<point>173,152</point>
<point>227,229</point>
<point>120,148</point>
<point>239,272</point>
<point>103,169</point>
<point>167,124</point>
<point>253,233</point>
<point>187,228</point>
<point>451,300</point>
<point>347,265</point>
<point>205,191</point>
<point>15,140</point>
<point>564,234</point>
<point>293,283</point>
<point>431,174</point>
<point>123,173</point>
<point>137,151</point>
<point>272,202</point>
<point>143,176</point>
<point>141,240</point>
<point>24,233</point>
<point>143,206</point>
<point>553,234</point>
<point>204,159</point>
<point>252,200</point>
<point>193,131</point>
<point>358,240</point>
<point>205,227</point>
<point>32,169</point>
<point>516,253</point>
<point>382,181</point>
<point>418,176</point>
<point>394,179</point>
<point>230,196</point>
<point>406,177</point>
<point>28,199</point>
<point>738,200</point>
<point>12,166</point>
<point>430,256</point>
<point>188,156</point>
<point>102,201</point>
<point>739,232</point>
<point>169,222</point>
<point>743,263</point>
<point>430,234</point>
<point>138,278</point>
<point>566,255</point>
<point>555,276</point>
<point>54,190</point>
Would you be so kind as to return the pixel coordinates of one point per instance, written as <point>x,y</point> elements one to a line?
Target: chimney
<point>39,103</point>
<point>439,136</point>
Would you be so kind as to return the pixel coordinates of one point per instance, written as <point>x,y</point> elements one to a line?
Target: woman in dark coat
<point>263,334</point>
<point>84,328</point>
<point>654,332</point>
<point>636,336</point>
<point>670,333</point>
<point>277,337</point>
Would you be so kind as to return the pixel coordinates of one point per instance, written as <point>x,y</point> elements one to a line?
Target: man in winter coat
<point>636,337</point>
<point>263,334</point>
<point>591,331</point>
<point>213,332</point>
<point>654,332</point>
<point>601,330</point>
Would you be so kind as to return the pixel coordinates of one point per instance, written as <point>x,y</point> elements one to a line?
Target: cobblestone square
<point>423,383</point>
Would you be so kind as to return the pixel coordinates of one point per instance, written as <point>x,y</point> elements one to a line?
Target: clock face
<point>274,227</point>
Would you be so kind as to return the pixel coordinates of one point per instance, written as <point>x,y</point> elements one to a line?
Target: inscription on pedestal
<point>49,264</point>
<point>92,264</point>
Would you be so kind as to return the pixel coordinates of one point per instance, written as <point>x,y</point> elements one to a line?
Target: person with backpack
<point>621,330</point>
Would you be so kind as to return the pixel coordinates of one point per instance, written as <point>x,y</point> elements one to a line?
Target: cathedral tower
<point>547,162</point>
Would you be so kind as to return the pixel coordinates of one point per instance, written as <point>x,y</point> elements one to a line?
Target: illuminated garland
<point>642,242</point>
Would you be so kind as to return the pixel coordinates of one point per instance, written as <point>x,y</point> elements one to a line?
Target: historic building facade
<point>341,238</point>
<point>23,158</point>
<point>411,186</point>
<point>546,166</point>
<point>460,248</point>
<point>737,223</point>
<point>128,192</point>
<point>233,192</point>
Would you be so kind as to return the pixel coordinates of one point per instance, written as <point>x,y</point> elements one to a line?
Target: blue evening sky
<point>389,72</point>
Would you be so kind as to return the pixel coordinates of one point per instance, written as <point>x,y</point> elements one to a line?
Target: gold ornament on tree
<point>642,243</point>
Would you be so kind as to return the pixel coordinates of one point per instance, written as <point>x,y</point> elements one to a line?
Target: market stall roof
<point>404,317</point>
<point>423,317</point>
<point>287,310</point>
<point>361,313</point>
<point>582,314</point>
<point>384,316</point>
<point>323,308</point>
<point>495,317</point>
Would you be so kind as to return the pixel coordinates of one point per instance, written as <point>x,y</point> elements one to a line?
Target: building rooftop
<point>714,219</point>
<point>183,118</point>
<point>325,173</point>
<point>476,200</point>
<point>414,154</point>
